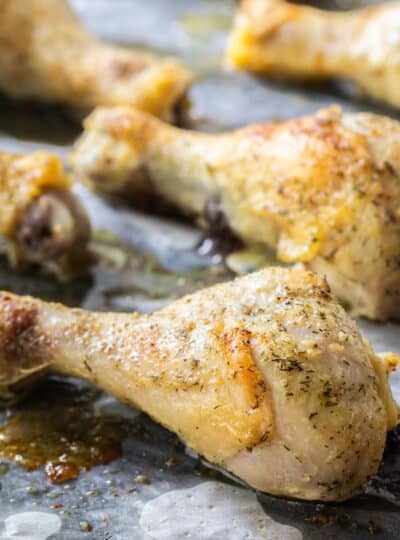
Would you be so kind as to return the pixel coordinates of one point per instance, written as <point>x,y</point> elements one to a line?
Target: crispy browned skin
<point>266,376</point>
<point>323,190</point>
<point>40,219</point>
<point>46,55</point>
<point>279,38</point>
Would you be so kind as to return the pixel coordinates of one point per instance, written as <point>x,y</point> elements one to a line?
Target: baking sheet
<point>158,260</point>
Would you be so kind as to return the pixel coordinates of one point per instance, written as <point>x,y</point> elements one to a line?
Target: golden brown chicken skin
<point>278,38</point>
<point>41,221</point>
<point>266,376</point>
<point>322,190</point>
<point>46,55</point>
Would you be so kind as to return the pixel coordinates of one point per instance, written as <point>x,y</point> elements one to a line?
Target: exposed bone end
<point>53,230</point>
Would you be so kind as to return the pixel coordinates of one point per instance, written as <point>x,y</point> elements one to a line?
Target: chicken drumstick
<point>266,376</point>
<point>323,190</point>
<point>46,55</point>
<point>278,38</point>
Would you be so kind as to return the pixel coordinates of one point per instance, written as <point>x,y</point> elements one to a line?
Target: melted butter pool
<point>62,430</point>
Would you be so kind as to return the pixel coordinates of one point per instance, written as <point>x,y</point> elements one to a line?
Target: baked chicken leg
<point>266,376</point>
<point>323,190</point>
<point>40,219</point>
<point>46,55</point>
<point>279,38</point>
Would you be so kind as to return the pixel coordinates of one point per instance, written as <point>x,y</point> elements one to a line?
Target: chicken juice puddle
<point>68,427</point>
<point>57,427</point>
